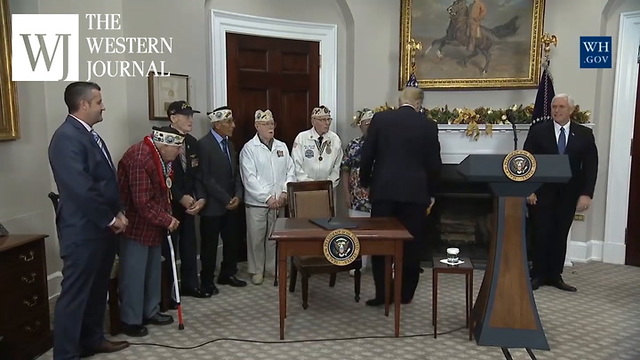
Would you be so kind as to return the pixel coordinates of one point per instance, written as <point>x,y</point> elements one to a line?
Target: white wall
<point>368,48</point>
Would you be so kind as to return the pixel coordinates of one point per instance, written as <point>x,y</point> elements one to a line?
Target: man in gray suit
<point>221,178</point>
<point>88,218</point>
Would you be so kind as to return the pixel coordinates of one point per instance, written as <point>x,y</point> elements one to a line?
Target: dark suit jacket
<point>583,157</point>
<point>401,157</point>
<point>186,182</point>
<point>88,186</point>
<point>221,181</point>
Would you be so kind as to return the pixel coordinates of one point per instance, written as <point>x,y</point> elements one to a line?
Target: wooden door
<point>633,225</point>
<point>277,74</point>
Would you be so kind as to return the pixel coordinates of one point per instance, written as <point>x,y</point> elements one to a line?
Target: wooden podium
<point>505,313</point>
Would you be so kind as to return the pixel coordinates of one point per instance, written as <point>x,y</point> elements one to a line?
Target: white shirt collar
<point>86,126</point>
<point>314,134</point>
<point>566,127</point>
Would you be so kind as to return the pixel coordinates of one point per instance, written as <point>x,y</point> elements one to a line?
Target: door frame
<point>223,22</point>
<point>624,109</point>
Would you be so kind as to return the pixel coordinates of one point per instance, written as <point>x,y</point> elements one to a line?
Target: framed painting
<point>9,120</point>
<point>471,43</point>
<point>165,89</point>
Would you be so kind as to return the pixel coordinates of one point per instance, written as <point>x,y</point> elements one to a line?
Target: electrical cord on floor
<point>290,341</point>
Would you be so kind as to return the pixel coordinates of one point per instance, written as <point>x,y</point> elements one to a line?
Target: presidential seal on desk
<point>341,247</point>
<point>519,165</point>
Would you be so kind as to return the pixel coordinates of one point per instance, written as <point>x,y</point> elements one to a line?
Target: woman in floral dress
<point>356,197</point>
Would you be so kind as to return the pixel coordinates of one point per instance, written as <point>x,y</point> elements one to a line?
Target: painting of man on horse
<point>473,43</point>
<point>465,30</point>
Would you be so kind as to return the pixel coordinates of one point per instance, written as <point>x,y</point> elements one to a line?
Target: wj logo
<point>45,47</point>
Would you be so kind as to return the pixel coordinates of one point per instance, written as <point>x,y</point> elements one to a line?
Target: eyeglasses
<point>325,120</point>
<point>268,124</point>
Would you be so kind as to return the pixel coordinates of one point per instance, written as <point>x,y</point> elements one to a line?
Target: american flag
<point>542,107</point>
<point>413,81</point>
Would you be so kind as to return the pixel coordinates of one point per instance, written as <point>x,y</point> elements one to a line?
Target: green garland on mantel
<point>487,116</point>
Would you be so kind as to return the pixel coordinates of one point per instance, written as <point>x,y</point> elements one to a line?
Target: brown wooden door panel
<point>268,73</point>
<point>633,225</point>
<point>286,75</point>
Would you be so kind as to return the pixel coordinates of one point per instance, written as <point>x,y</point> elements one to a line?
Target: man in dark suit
<point>188,198</point>
<point>88,218</point>
<point>553,206</point>
<point>221,178</point>
<point>400,155</point>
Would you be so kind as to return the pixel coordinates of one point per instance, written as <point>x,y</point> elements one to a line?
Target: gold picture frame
<point>165,89</point>
<point>514,55</point>
<point>9,118</point>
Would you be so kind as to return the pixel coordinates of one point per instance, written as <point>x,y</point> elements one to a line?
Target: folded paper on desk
<point>334,223</point>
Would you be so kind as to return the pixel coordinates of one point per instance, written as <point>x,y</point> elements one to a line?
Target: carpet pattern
<point>599,322</point>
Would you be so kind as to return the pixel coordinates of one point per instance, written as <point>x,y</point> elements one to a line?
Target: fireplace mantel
<point>455,145</point>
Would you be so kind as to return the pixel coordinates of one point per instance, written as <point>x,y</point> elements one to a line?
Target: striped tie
<point>98,140</point>
<point>183,157</point>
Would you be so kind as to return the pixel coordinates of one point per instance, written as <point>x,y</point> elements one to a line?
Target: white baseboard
<point>582,252</point>
<point>53,283</point>
<point>614,253</point>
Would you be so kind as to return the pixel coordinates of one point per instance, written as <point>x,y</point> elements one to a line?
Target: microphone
<point>511,119</point>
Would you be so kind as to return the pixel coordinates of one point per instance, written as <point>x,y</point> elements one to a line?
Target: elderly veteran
<point>144,175</point>
<point>266,168</point>
<point>187,200</point>
<point>317,152</point>
<point>220,176</point>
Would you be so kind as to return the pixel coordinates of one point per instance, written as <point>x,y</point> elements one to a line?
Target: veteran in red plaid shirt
<point>144,175</point>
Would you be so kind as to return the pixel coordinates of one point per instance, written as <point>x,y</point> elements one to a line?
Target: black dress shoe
<point>105,347</point>
<point>196,293</point>
<point>535,283</point>
<point>231,281</point>
<point>134,330</point>
<point>375,302</point>
<point>159,319</point>
<point>210,289</point>
<point>560,284</point>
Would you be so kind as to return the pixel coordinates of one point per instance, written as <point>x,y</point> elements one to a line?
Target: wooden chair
<point>314,199</point>
<point>113,301</point>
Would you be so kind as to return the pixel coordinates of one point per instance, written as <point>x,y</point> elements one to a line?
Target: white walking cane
<point>175,281</point>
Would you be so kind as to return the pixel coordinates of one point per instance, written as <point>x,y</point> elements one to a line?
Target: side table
<point>467,269</point>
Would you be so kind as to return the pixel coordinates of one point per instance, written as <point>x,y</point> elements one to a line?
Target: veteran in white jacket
<point>317,152</point>
<point>265,168</point>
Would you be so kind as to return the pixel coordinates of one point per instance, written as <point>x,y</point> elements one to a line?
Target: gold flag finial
<point>547,40</point>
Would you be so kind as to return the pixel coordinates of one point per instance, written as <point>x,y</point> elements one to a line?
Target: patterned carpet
<point>599,322</point>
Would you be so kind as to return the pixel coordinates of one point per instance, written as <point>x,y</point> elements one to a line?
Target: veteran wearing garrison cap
<point>145,178</point>
<point>266,168</point>
<point>220,176</point>
<point>317,152</point>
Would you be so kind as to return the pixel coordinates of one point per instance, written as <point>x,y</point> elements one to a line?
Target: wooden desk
<point>24,306</point>
<point>377,236</point>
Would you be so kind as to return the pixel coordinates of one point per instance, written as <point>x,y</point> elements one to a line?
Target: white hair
<point>565,96</point>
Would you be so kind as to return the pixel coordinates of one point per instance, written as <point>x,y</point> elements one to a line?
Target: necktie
<point>562,141</point>
<point>225,149</point>
<point>98,140</point>
<point>183,157</point>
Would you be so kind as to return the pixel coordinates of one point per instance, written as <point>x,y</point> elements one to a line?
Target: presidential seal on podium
<point>341,247</point>
<point>519,165</point>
